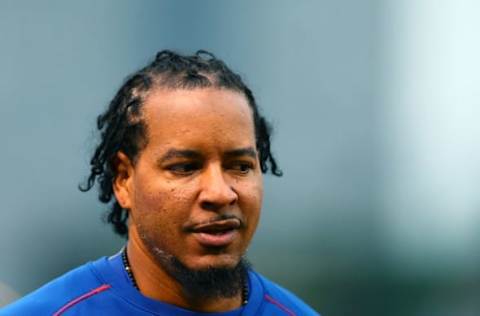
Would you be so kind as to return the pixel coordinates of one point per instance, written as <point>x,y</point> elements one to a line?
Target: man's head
<point>182,151</point>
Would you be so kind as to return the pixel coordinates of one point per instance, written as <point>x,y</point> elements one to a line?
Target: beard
<point>209,283</point>
<point>199,284</point>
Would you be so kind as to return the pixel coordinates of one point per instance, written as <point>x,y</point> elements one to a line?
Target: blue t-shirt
<point>102,287</point>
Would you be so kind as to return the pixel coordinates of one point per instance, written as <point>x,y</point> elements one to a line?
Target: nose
<point>216,193</point>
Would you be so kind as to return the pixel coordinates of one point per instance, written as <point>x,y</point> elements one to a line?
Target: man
<point>182,152</point>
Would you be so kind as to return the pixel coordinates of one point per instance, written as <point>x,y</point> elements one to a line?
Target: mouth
<point>218,233</point>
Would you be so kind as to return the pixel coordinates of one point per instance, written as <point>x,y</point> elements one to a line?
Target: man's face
<point>195,191</point>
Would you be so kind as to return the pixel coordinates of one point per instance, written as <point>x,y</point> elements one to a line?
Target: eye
<point>184,168</point>
<point>242,167</point>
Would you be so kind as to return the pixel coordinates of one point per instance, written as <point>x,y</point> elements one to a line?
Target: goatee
<point>210,282</point>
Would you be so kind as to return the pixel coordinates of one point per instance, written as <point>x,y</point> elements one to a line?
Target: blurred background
<point>375,106</point>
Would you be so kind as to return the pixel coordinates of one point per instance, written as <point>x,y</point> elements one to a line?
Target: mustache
<point>189,226</point>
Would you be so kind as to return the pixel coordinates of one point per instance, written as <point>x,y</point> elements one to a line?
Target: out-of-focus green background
<point>376,112</point>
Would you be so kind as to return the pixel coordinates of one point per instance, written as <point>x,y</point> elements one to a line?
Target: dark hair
<point>123,129</point>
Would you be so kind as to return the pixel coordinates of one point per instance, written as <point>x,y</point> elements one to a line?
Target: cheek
<point>251,202</point>
<point>157,217</point>
<point>161,204</point>
<point>254,190</point>
<point>150,200</point>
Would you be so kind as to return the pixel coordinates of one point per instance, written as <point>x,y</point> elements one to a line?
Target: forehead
<point>195,117</point>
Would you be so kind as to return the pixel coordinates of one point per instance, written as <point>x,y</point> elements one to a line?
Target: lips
<point>216,234</point>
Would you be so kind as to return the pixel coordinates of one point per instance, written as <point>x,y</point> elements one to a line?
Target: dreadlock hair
<point>122,128</point>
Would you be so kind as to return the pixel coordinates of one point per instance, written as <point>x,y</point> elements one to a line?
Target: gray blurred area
<point>375,107</point>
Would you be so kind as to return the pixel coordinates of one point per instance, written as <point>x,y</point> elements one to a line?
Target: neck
<point>154,282</point>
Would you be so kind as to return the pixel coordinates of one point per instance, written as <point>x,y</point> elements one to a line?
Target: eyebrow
<point>248,151</point>
<point>180,153</point>
<point>193,154</point>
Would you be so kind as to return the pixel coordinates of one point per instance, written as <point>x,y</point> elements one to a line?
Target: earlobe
<point>122,183</point>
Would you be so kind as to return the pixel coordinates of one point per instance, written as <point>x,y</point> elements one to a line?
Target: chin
<point>209,276</point>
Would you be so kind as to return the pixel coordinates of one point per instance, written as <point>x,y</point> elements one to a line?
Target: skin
<point>168,190</point>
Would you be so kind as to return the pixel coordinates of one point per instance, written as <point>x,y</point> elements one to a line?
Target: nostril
<point>209,206</point>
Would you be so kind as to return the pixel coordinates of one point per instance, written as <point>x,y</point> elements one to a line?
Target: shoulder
<point>278,298</point>
<point>79,283</point>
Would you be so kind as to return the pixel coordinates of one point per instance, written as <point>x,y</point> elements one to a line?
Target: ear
<point>122,184</point>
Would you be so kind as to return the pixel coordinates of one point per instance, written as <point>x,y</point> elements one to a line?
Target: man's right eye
<point>184,168</point>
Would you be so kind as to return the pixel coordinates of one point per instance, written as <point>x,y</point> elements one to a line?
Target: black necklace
<point>128,269</point>
<point>126,265</point>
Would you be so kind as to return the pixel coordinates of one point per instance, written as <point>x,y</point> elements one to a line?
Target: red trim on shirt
<point>279,305</point>
<point>99,289</point>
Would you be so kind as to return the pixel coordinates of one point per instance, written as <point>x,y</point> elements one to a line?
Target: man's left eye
<point>242,167</point>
